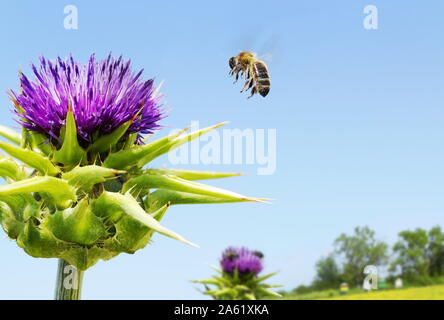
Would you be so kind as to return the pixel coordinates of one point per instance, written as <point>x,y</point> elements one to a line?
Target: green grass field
<point>423,293</point>
<point>435,292</point>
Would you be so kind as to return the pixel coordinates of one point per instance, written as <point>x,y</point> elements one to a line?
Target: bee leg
<point>244,87</point>
<point>242,74</point>
<point>247,84</point>
<point>237,77</point>
<point>253,91</point>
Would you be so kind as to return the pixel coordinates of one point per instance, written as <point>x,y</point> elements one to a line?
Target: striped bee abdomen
<point>262,79</point>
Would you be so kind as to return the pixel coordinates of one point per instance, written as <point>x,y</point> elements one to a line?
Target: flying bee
<point>255,71</point>
<point>258,254</point>
<point>231,256</point>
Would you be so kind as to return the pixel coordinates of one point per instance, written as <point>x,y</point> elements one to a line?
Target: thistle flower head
<point>239,281</point>
<point>102,95</point>
<point>242,259</point>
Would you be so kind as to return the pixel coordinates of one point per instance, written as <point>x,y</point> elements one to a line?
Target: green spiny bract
<point>81,204</point>
<point>236,286</point>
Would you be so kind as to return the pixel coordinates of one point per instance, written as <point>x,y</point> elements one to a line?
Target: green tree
<point>411,253</point>
<point>436,252</point>
<point>359,250</point>
<point>328,274</point>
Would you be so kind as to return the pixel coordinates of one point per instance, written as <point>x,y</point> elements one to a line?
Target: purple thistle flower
<point>102,95</point>
<point>242,259</point>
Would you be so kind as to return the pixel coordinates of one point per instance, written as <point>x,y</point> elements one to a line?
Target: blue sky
<point>358,114</point>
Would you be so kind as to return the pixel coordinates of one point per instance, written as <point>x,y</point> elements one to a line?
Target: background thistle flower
<point>245,261</point>
<point>80,192</point>
<point>238,277</point>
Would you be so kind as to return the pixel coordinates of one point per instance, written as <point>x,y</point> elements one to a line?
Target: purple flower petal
<point>103,95</point>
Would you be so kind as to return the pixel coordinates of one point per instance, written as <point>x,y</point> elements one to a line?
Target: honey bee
<point>258,254</point>
<point>231,256</point>
<point>255,71</point>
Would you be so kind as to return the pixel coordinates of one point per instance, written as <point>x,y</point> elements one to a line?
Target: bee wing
<point>270,49</point>
<point>245,42</point>
<point>267,57</point>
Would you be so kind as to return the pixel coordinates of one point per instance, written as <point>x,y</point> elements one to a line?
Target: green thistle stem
<point>69,282</point>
